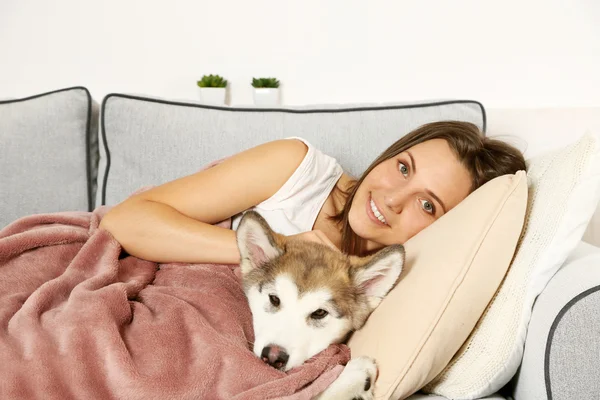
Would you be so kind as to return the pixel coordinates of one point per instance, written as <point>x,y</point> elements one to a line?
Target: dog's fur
<point>305,296</point>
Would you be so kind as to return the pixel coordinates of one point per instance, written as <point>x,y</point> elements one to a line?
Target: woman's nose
<point>394,201</point>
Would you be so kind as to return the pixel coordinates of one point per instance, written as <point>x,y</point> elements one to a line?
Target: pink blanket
<point>78,319</point>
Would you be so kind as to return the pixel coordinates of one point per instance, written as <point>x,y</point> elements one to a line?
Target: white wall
<point>504,53</point>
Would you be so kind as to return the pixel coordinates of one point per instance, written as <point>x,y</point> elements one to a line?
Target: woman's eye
<point>403,168</point>
<point>428,206</point>
<point>274,300</point>
<point>319,314</point>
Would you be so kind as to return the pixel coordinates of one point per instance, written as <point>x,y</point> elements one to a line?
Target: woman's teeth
<point>377,213</point>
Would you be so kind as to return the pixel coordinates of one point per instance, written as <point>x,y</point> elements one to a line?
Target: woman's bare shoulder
<point>239,182</point>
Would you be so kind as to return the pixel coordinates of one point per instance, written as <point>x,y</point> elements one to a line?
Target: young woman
<point>304,193</point>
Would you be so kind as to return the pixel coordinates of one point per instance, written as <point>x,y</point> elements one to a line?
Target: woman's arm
<point>173,222</point>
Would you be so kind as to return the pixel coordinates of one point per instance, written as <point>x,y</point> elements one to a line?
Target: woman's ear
<point>256,242</point>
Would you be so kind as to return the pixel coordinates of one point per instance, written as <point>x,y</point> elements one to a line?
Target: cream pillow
<point>453,268</point>
<point>564,190</point>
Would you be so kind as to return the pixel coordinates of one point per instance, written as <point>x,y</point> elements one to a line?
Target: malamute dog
<point>305,296</point>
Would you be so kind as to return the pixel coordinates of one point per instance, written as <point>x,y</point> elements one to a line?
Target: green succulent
<point>265,83</point>
<point>212,81</point>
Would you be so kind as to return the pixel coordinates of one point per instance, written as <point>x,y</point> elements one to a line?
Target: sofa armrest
<point>561,358</point>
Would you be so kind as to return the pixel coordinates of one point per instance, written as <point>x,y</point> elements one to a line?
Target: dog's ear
<point>256,242</point>
<point>376,275</point>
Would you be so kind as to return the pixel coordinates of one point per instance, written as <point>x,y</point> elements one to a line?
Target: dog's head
<point>305,296</point>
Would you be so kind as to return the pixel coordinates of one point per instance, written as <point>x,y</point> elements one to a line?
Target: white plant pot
<point>211,95</point>
<point>266,96</point>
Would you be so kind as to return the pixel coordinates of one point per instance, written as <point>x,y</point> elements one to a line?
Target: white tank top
<point>294,207</point>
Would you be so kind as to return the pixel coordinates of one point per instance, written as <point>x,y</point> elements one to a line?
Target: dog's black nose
<point>275,356</point>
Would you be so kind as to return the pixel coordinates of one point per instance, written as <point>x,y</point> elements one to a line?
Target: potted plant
<point>212,89</point>
<point>266,91</point>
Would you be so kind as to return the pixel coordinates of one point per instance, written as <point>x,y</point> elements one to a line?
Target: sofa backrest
<point>54,158</point>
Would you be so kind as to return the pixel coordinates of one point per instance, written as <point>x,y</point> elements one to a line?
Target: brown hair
<point>485,159</point>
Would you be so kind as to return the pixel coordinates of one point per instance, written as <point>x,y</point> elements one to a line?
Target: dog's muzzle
<point>275,356</point>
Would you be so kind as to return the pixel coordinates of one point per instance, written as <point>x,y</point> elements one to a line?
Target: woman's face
<point>405,194</point>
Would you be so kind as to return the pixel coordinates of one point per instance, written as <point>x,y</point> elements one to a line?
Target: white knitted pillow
<point>564,190</point>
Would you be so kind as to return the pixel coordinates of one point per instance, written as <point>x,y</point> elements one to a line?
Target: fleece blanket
<point>81,319</point>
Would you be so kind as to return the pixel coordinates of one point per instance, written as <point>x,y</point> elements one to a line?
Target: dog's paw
<point>359,379</point>
<point>356,382</point>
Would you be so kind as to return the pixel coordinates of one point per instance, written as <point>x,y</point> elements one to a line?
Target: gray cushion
<point>48,153</point>
<point>149,141</point>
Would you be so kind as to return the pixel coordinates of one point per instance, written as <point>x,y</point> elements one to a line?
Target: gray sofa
<point>62,151</point>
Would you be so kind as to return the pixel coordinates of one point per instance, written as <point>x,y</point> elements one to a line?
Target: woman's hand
<point>314,236</point>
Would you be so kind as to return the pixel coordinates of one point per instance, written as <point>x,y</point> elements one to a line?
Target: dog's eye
<point>319,314</point>
<point>274,300</point>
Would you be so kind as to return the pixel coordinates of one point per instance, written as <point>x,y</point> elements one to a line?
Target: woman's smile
<point>375,214</point>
